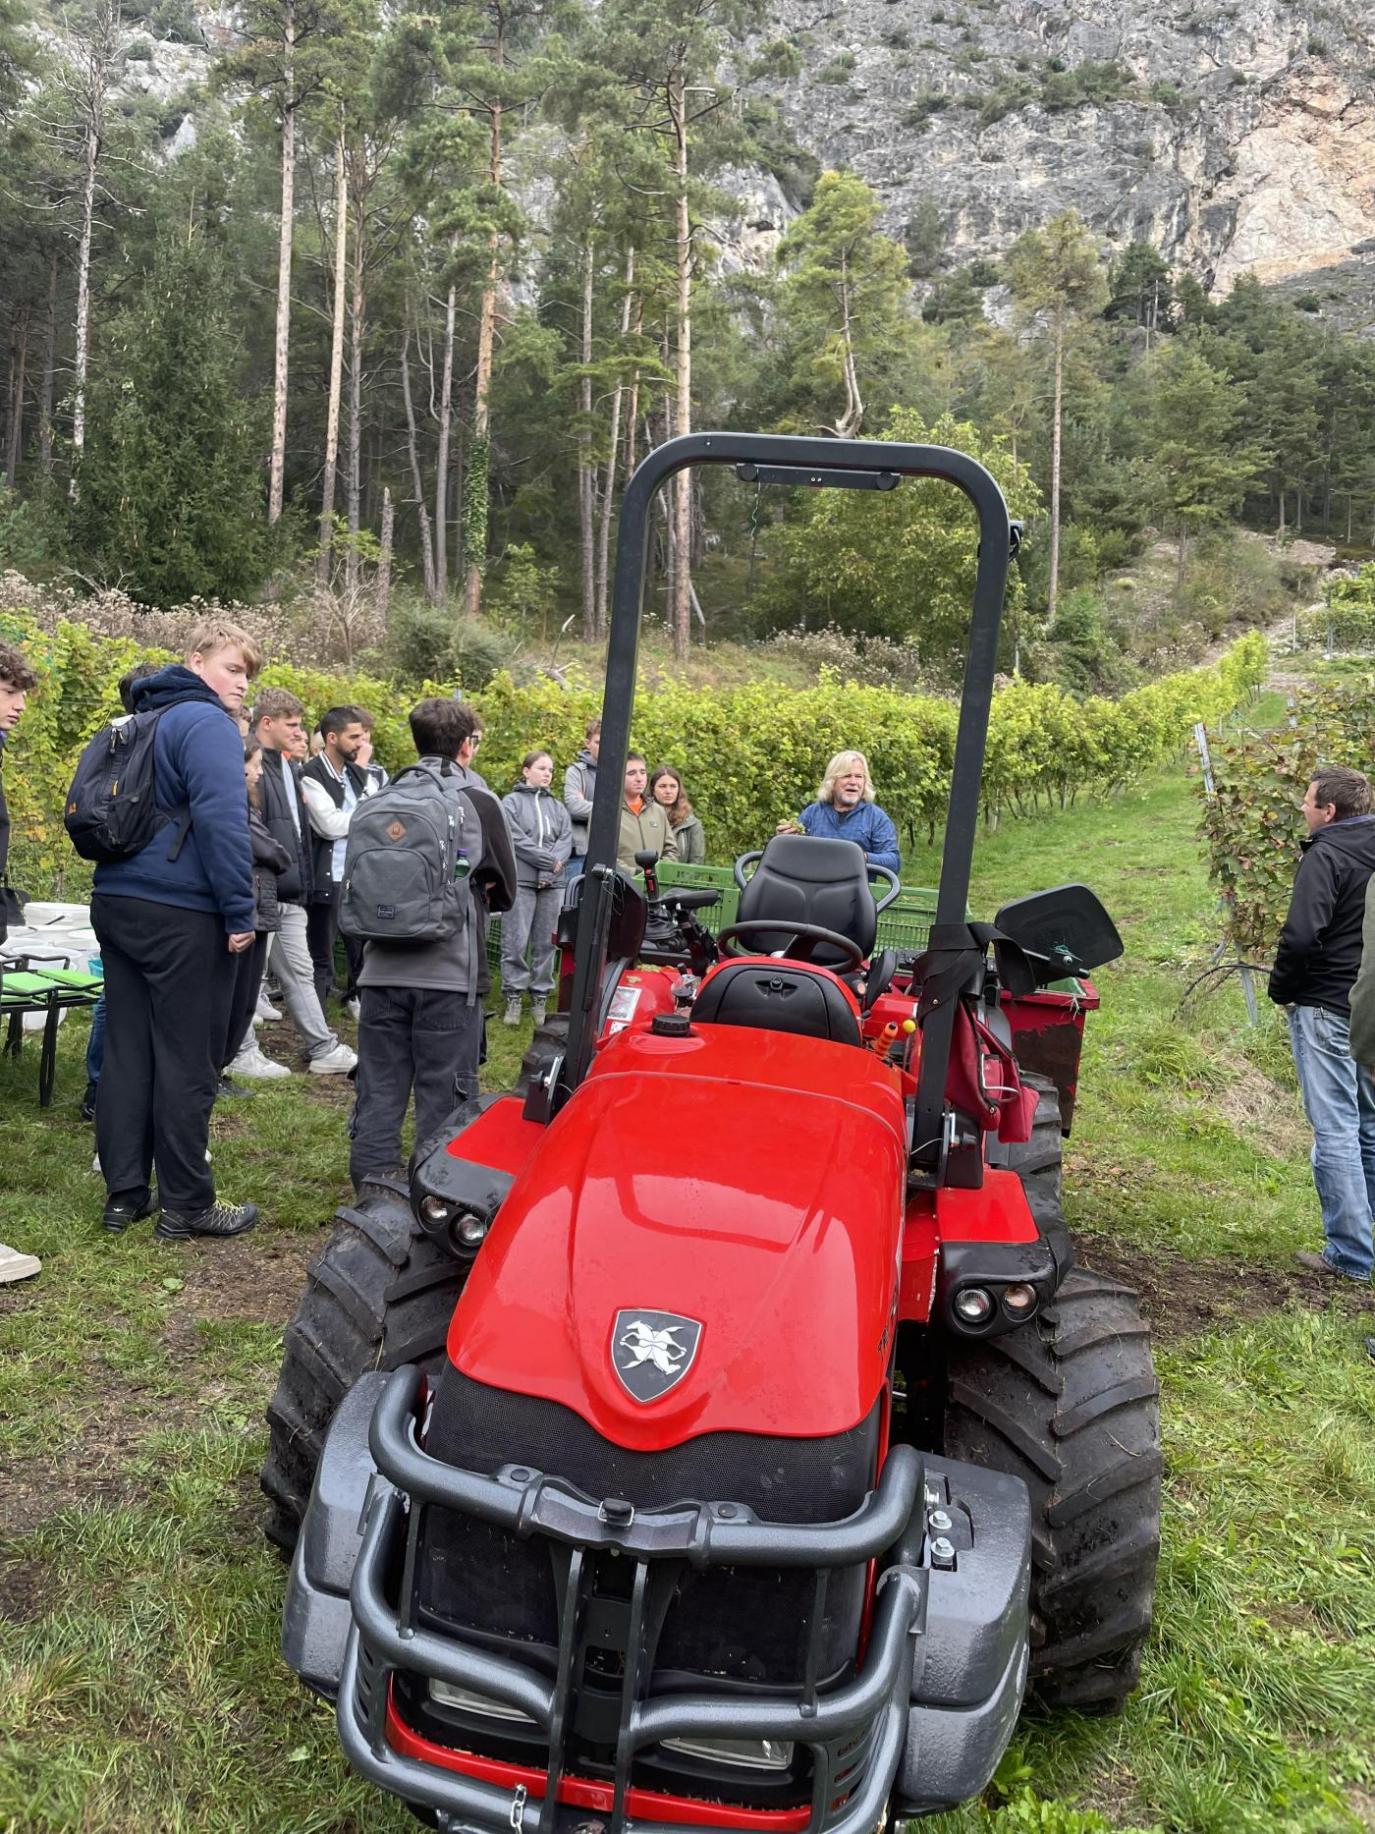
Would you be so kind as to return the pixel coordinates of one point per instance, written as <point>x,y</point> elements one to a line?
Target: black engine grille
<point>740,1625</point>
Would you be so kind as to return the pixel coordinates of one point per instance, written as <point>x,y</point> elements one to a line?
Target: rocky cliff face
<point>1232,134</point>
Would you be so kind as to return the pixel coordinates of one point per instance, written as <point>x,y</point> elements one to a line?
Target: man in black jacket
<point>334,783</point>
<point>1316,963</point>
<point>17,680</point>
<point>278,725</point>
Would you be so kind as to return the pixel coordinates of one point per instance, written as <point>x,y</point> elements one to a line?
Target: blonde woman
<point>845,810</point>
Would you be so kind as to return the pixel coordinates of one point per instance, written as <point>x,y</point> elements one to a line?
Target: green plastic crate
<point>904,926</point>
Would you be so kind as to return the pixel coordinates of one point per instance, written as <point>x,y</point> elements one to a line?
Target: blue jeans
<point>95,1044</point>
<point>1339,1100</point>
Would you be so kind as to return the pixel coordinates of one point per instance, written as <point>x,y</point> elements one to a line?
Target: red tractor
<point>741,1472</point>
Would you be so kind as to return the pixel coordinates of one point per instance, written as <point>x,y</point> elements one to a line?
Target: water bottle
<point>462,867</point>
<point>96,967</point>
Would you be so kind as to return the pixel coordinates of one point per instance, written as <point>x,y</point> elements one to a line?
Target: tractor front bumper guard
<point>855,1733</point>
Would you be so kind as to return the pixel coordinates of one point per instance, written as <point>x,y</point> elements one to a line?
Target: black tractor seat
<point>799,880</point>
<point>806,879</point>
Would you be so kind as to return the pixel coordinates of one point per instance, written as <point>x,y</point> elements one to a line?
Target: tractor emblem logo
<point>651,1352</point>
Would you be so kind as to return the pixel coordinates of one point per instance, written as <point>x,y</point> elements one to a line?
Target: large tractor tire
<point>1070,1404</point>
<point>380,1293</point>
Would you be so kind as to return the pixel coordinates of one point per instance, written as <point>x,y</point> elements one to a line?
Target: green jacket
<point>692,841</point>
<point>643,832</point>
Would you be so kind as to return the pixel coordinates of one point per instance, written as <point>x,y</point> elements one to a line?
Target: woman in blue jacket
<point>845,810</point>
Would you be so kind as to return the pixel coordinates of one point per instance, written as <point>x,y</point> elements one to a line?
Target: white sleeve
<point>331,823</point>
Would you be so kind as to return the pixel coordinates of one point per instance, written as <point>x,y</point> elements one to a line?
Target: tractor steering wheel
<point>813,934</point>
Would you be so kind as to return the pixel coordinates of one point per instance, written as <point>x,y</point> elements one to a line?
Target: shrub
<point>752,754</point>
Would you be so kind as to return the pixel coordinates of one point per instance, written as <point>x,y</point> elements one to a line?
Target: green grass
<point>140,1685</point>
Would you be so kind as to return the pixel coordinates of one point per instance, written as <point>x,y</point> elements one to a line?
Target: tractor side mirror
<point>1067,925</point>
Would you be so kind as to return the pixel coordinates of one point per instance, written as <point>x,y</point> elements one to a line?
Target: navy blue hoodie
<point>197,765</point>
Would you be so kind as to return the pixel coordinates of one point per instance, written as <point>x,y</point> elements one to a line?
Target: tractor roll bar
<point>862,463</point>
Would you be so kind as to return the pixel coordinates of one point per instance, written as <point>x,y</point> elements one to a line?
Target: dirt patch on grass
<point>260,1278</point>
<point>26,1591</point>
<point>1184,1298</point>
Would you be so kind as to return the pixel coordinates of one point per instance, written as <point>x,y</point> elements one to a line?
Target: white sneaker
<point>16,1266</point>
<point>354,1008</point>
<point>251,1062</point>
<point>337,1062</point>
<point>266,1010</point>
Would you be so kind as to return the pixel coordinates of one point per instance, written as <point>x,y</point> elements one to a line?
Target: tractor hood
<point>705,1240</point>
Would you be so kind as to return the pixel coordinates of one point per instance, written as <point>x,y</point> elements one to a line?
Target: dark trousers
<point>243,1001</point>
<point>408,1036</point>
<point>322,934</point>
<point>168,983</point>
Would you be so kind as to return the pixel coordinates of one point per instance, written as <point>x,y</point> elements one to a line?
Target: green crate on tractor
<point>904,926</point>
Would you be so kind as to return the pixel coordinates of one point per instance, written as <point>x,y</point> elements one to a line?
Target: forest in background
<point>374,319</point>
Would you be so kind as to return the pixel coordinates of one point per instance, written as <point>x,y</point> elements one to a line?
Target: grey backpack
<point>411,850</point>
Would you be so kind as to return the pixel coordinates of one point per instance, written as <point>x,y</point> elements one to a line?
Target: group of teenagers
<point>239,894</point>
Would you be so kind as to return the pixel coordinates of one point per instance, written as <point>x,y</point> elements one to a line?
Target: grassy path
<point>140,1687</point>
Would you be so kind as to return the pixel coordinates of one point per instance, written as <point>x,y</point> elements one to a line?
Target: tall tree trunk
<point>277,466</point>
<point>417,482</point>
<point>441,470</point>
<point>1281,530</point>
<point>355,452</point>
<point>45,398</point>
<point>18,365</point>
<point>680,605</point>
<point>384,559</point>
<point>476,486</point>
<point>609,483</point>
<point>587,490</point>
<point>853,417</point>
<point>1053,589</point>
<point>81,360</point>
<point>336,359</point>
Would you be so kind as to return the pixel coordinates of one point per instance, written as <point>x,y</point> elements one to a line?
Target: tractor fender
<point>971,1671</point>
<point>316,1618</point>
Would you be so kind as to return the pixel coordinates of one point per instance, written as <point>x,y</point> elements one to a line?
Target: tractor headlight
<point>748,1753</point>
<point>974,1306</point>
<point>1019,1301</point>
<point>436,1210</point>
<point>471,1231</point>
<point>447,1695</point>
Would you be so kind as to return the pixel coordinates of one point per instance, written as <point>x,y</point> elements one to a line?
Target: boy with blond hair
<point>171,919</point>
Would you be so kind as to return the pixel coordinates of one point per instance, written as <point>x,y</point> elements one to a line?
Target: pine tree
<point>170,501</point>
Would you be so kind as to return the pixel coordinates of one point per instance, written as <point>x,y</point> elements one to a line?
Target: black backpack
<point>111,812</point>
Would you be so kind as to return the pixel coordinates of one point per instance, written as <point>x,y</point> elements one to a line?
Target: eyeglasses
<point>477,740</point>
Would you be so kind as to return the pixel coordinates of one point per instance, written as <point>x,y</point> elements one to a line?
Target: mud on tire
<point>380,1293</point>
<point>1070,1404</point>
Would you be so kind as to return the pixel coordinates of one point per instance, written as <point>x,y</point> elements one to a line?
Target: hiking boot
<point>252,1062</point>
<point>121,1211</point>
<point>16,1266</point>
<point>336,1062</point>
<point>1319,1264</point>
<point>538,1013</point>
<point>220,1220</point>
<point>227,1090</point>
<point>512,1014</point>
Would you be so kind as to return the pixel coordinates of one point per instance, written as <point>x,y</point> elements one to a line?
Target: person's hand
<point>364,753</point>
<point>558,869</point>
<point>788,827</point>
<point>241,940</point>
